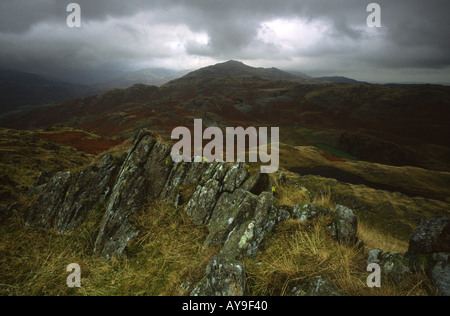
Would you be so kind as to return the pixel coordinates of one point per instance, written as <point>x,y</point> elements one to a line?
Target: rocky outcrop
<point>344,225</point>
<point>432,236</point>
<point>308,212</point>
<point>237,208</point>
<point>429,251</point>
<point>391,263</point>
<point>225,198</point>
<point>441,273</point>
<point>319,286</point>
<point>223,278</point>
<point>244,240</point>
<point>323,287</point>
<point>66,199</point>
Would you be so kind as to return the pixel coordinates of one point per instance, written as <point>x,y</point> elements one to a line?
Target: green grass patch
<point>335,151</point>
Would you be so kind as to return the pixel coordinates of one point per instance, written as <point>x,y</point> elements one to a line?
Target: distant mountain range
<point>152,77</point>
<point>365,120</point>
<point>21,91</point>
<point>337,79</point>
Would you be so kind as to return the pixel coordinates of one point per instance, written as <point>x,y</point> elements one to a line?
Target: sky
<point>317,37</point>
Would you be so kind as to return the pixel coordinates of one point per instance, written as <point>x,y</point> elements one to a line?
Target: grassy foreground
<point>167,254</point>
<point>167,258</point>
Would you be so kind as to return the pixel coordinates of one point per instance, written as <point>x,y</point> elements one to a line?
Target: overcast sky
<point>317,37</point>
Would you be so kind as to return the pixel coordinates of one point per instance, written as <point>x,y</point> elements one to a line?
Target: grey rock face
<point>67,199</point>
<point>429,251</point>
<point>202,203</point>
<point>231,210</point>
<point>441,276</point>
<point>236,208</point>
<point>323,287</point>
<point>308,212</point>
<point>235,177</point>
<point>42,213</point>
<point>223,278</point>
<point>391,263</point>
<point>346,226</point>
<point>93,185</point>
<point>244,241</point>
<point>41,182</point>
<point>130,193</point>
<point>432,236</point>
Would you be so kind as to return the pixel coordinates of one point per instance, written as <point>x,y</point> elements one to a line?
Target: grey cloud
<point>414,34</point>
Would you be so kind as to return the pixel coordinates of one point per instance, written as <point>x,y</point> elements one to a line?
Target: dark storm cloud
<point>307,35</point>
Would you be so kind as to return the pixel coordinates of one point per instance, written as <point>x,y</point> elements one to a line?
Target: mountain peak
<point>234,68</point>
<point>232,62</point>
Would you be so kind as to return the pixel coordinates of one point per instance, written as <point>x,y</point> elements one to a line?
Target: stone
<point>429,251</point>
<point>92,186</point>
<point>282,178</point>
<point>42,212</point>
<point>202,203</point>
<point>441,277</point>
<point>39,185</point>
<point>345,226</point>
<point>158,168</point>
<point>235,177</point>
<point>224,277</point>
<point>231,210</point>
<point>432,236</point>
<point>323,287</point>
<point>244,241</point>
<point>391,263</point>
<point>308,212</point>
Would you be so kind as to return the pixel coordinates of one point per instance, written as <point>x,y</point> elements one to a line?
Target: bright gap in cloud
<point>292,34</point>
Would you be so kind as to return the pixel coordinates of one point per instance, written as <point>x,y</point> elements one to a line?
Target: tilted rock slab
<point>236,208</point>
<point>67,199</point>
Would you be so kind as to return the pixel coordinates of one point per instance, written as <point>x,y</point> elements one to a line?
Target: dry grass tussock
<point>291,195</point>
<point>168,253</point>
<point>167,257</point>
<point>298,252</point>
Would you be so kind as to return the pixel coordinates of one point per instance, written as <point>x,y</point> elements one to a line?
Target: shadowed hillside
<point>401,126</point>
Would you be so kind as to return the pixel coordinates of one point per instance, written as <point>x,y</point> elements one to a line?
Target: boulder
<point>391,263</point>
<point>42,212</point>
<point>129,195</point>
<point>202,203</point>
<point>323,287</point>
<point>224,277</point>
<point>308,212</point>
<point>244,240</point>
<point>92,186</point>
<point>432,236</point>
<point>429,251</point>
<point>345,227</point>
<point>235,177</point>
<point>441,273</point>
<point>231,210</point>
